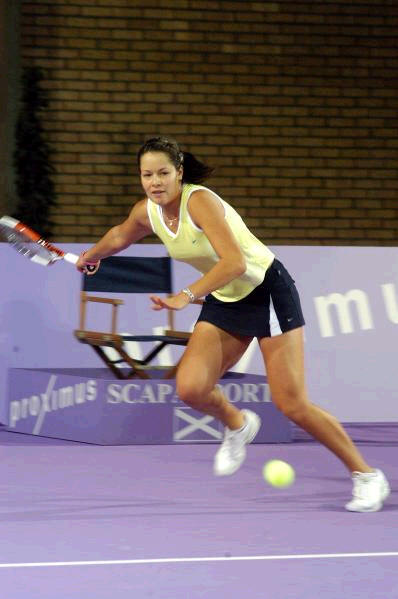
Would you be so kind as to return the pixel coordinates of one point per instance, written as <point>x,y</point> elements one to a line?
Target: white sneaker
<point>369,492</point>
<point>232,452</point>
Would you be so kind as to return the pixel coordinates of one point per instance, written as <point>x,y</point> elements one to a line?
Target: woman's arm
<point>135,227</point>
<point>207,213</point>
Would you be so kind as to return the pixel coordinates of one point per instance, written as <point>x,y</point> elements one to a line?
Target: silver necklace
<point>172,220</point>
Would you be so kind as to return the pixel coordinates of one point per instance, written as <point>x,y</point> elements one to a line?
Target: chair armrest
<point>103,300</point>
<point>180,334</point>
<point>84,298</point>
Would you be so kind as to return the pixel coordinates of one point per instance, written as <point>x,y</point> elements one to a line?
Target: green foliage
<point>32,157</point>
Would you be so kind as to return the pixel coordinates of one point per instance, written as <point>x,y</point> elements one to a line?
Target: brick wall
<point>295,103</point>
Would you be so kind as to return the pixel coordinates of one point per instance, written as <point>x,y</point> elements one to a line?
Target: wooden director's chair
<point>119,274</point>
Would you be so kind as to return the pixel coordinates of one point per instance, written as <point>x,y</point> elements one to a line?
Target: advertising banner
<point>91,407</point>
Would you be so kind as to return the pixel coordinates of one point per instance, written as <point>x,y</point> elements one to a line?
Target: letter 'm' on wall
<point>343,306</point>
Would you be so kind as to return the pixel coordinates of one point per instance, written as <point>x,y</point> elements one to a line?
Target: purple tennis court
<point>84,521</point>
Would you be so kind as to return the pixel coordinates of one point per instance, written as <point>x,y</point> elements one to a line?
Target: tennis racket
<point>31,245</point>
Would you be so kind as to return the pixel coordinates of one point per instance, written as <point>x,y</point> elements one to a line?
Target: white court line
<point>186,560</point>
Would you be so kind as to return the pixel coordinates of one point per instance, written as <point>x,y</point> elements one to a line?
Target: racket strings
<point>27,247</point>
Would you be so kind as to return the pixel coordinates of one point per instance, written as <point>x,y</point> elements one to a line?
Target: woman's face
<point>160,179</point>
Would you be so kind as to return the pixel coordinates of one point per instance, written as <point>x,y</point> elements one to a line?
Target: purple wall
<point>349,299</point>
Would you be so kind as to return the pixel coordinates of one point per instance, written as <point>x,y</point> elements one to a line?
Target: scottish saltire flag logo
<point>191,426</point>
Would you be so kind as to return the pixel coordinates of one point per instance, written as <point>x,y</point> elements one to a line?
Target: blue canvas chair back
<point>128,274</point>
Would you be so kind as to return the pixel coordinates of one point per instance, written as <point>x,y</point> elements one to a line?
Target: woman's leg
<point>284,360</point>
<point>209,353</point>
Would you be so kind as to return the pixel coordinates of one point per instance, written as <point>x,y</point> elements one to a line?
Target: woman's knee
<point>293,404</point>
<point>191,391</point>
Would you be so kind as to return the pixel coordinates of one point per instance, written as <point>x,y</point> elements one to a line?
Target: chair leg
<point>141,374</point>
<point>100,352</point>
<point>152,354</point>
<point>117,371</point>
<point>136,369</point>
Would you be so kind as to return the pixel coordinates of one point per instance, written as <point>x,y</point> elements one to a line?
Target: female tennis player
<point>247,293</point>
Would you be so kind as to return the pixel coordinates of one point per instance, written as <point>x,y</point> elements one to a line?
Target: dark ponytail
<point>194,171</point>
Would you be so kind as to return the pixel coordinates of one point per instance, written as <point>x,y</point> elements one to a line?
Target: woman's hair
<point>194,171</point>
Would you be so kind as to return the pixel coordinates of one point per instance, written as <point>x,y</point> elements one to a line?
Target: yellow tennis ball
<point>279,473</point>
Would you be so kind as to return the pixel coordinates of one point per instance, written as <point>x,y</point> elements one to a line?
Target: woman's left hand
<point>175,302</point>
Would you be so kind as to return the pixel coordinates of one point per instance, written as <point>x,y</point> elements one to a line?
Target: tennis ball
<point>279,473</point>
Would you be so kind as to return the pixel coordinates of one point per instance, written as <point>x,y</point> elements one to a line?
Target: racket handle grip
<point>72,258</point>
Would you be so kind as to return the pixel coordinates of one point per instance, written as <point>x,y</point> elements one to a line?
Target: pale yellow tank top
<point>189,244</point>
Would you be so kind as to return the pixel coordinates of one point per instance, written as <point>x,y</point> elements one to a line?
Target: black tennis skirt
<point>272,308</point>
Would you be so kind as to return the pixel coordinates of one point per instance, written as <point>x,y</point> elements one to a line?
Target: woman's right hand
<point>85,266</point>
